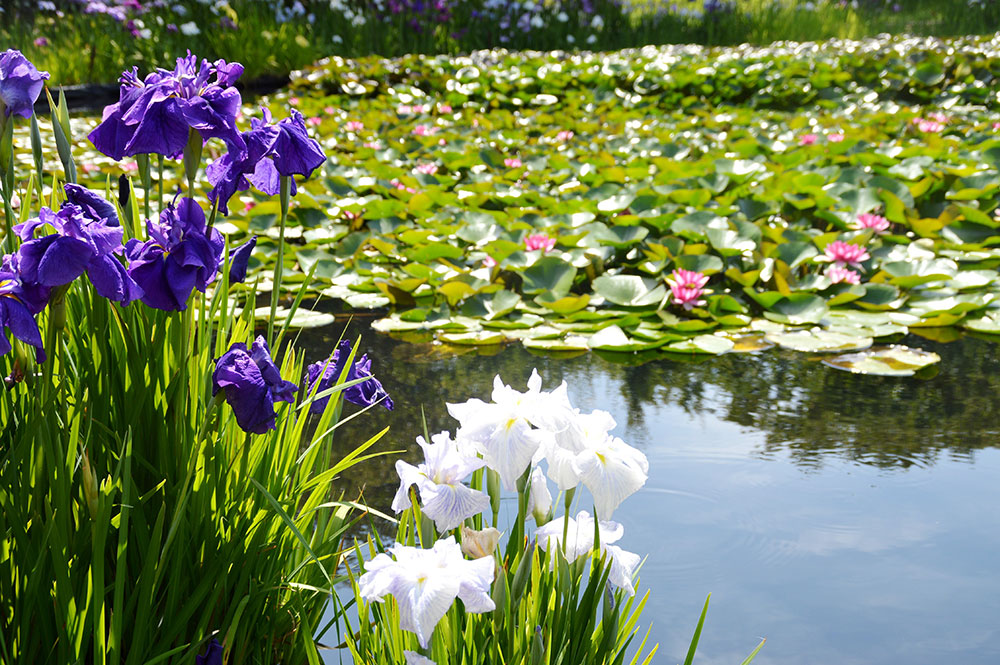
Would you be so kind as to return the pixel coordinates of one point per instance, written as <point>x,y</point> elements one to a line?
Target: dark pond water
<point>847,519</point>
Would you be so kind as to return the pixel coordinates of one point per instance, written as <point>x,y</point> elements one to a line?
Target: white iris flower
<point>580,432</point>
<point>414,658</point>
<point>443,496</point>
<point>580,542</point>
<point>539,497</point>
<point>425,583</point>
<point>612,471</point>
<point>502,431</point>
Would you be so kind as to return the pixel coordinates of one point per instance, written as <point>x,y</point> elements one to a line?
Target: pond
<point>847,519</point>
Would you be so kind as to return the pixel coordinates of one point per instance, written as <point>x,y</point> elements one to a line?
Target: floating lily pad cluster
<point>549,198</point>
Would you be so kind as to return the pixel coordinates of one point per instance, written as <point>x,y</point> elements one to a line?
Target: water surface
<point>847,519</point>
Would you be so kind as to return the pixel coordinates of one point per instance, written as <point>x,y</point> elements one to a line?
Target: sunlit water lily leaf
<point>896,360</point>
<point>477,338</point>
<point>613,338</point>
<point>818,340</point>
<point>568,343</point>
<point>708,344</point>
<point>630,290</point>
<point>988,323</point>
<point>750,343</point>
<point>303,318</point>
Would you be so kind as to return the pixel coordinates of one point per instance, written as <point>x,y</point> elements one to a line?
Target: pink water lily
<point>845,254</point>
<point>868,220</point>
<point>424,130</point>
<point>489,262</point>
<point>835,138</point>
<point>400,186</point>
<point>937,116</point>
<point>353,126</point>
<point>314,121</point>
<point>539,241</point>
<point>687,287</point>
<point>513,163</point>
<point>929,126</point>
<point>564,135</point>
<point>444,108</point>
<point>405,109</point>
<point>836,275</point>
<point>427,169</point>
<point>808,139</point>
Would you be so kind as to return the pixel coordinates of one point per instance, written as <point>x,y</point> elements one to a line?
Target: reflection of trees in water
<point>800,406</point>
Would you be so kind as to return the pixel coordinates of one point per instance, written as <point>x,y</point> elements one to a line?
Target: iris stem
<point>159,184</point>
<point>8,241</point>
<point>286,184</point>
<point>147,182</point>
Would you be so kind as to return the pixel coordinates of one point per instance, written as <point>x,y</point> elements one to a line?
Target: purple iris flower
<point>182,254</point>
<point>93,205</point>
<point>239,257</point>
<point>156,114</point>
<point>19,303</point>
<point>20,84</point>
<point>85,240</point>
<point>213,655</point>
<point>252,384</point>
<point>272,151</point>
<point>328,373</point>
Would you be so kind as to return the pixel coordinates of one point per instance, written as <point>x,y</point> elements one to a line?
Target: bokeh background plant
<point>81,41</point>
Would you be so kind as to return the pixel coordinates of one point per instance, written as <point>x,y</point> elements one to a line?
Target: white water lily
<point>440,480</point>
<point>579,542</point>
<point>425,583</point>
<point>612,470</point>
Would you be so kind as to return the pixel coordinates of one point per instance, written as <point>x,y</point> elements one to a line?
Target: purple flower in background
<point>327,374</point>
<point>18,305</point>
<point>182,254</point>
<point>272,151</point>
<point>238,259</point>
<point>155,115</point>
<point>252,384</point>
<point>213,655</point>
<point>87,237</point>
<point>20,84</point>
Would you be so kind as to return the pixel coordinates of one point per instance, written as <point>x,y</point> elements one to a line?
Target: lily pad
<point>818,340</point>
<point>303,318</point>
<point>629,290</point>
<point>895,360</point>
<point>709,344</point>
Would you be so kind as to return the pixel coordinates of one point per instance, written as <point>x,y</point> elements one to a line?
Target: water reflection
<point>800,407</point>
